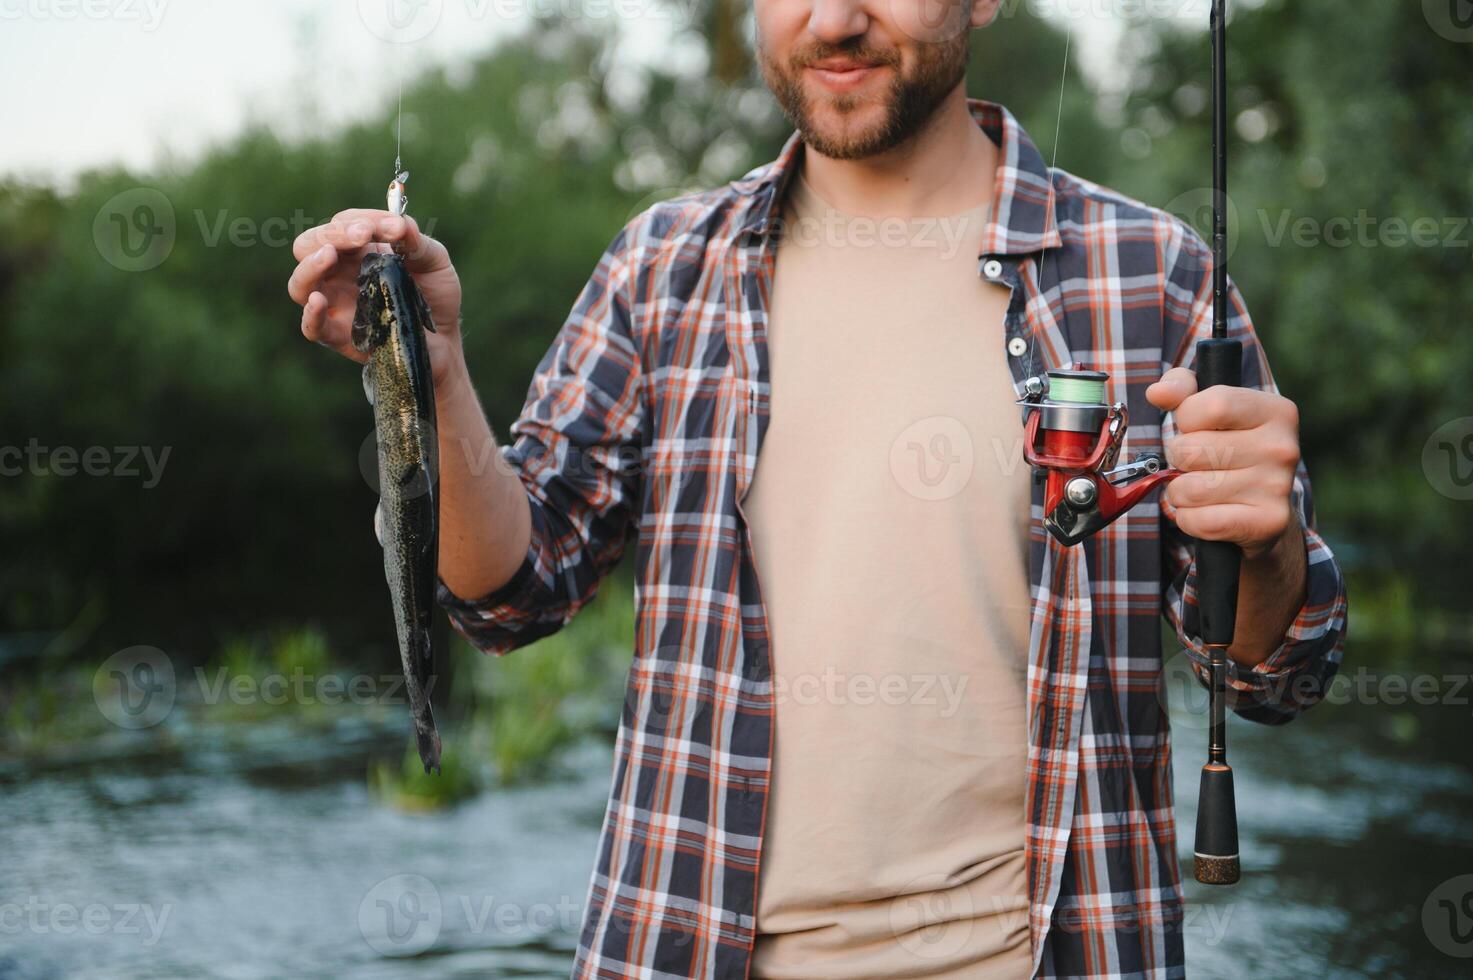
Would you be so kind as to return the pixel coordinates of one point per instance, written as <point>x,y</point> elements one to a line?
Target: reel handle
<point>1219,362</point>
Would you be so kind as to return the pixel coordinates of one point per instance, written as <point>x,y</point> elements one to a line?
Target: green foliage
<point>522,166</point>
<point>35,718</point>
<point>406,786</point>
<point>528,705</point>
<point>1348,132</point>
<point>1019,62</point>
<point>521,710</point>
<point>303,650</point>
<point>525,165</point>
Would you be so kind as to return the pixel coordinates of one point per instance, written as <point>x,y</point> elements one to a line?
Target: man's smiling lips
<point>843,74</point>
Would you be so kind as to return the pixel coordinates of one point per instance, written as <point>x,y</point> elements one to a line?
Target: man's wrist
<point>1285,548</point>
<point>454,383</point>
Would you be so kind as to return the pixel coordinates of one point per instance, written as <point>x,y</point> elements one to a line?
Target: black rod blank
<point>1219,362</point>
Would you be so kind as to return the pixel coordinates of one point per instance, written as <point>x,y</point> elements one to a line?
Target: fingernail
<point>324,251</point>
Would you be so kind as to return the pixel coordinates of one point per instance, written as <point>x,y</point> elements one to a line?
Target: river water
<point>268,857</point>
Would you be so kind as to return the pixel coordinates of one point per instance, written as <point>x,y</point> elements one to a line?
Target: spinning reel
<point>1074,437</point>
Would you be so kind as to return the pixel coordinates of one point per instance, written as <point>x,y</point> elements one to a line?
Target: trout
<point>389,326</point>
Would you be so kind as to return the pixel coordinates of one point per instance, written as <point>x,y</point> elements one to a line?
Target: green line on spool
<point>1080,391</point>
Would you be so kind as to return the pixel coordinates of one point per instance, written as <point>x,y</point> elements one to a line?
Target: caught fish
<point>389,325</point>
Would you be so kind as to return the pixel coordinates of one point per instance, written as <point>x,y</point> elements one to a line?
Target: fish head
<point>379,279</point>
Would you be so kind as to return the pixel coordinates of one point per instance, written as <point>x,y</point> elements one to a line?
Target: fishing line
<point>1053,164</point>
<point>397,198</point>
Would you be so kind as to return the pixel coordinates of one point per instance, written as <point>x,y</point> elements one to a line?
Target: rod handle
<point>1219,362</point>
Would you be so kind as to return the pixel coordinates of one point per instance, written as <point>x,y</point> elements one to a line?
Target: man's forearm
<point>485,518</point>
<point>1271,592</point>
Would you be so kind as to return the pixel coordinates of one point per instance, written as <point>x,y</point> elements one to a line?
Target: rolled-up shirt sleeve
<point>1298,672</point>
<point>576,448</point>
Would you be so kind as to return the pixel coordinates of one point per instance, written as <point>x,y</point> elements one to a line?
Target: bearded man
<point>879,724</point>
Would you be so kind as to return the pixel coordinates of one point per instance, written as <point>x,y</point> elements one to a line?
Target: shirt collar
<point>1022,219</point>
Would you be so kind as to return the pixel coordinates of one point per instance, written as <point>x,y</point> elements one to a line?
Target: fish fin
<point>361,333</point>
<point>378,523</point>
<point>424,662</point>
<point>424,312</point>
<point>415,479</point>
<point>368,383</point>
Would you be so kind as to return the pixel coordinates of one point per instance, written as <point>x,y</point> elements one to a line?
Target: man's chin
<point>844,128</point>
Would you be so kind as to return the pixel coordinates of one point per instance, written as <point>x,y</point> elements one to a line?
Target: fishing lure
<point>398,196</point>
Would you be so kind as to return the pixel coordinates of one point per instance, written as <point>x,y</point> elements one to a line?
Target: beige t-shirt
<point>889,515</point>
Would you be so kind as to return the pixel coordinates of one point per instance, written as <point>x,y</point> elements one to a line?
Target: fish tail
<point>421,655</point>
<point>429,747</point>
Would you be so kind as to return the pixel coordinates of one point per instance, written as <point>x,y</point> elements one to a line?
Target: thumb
<point>1174,388</point>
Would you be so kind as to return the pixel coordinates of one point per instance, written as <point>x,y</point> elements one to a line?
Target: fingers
<point>307,287</point>
<point>324,281</point>
<point>1235,449</point>
<point>1239,523</point>
<point>349,215</point>
<point>314,318</point>
<point>309,272</point>
<point>1208,488</point>
<point>343,234</point>
<point>1224,407</point>
<point>1221,407</point>
<point>320,327</point>
<point>421,252</point>
<point>1174,387</point>
<point>358,227</point>
<point>1212,450</point>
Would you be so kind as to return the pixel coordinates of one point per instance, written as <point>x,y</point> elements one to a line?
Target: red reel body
<point>1074,437</point>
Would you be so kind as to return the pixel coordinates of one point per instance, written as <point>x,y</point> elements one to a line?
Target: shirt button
<point>1017,347</point>
<point>992,269</point>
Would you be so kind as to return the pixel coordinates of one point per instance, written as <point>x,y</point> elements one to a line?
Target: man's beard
<point>909,101</point>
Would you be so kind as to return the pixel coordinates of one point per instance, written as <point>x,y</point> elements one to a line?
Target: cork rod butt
<point>1216,870</point>
<point>1216,850</point>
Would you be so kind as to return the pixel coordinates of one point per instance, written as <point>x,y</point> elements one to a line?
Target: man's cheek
<point>924,21</point>
<point>778,23</point>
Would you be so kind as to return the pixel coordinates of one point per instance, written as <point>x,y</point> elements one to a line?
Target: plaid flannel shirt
<point>644,420</point>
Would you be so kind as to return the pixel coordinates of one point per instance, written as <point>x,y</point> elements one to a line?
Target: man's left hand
<point>1239,449</point>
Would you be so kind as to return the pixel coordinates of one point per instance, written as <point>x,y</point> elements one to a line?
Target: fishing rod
<point>1219,362</point>
<point>1072,437</point>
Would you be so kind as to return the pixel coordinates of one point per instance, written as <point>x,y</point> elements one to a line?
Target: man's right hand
<point>325,283</point>
<point>485,516</point>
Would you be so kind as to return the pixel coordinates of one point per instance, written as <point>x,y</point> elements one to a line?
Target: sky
<point>92,83</point>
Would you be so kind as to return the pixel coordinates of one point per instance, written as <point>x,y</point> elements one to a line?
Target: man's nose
<point>834,21</point>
